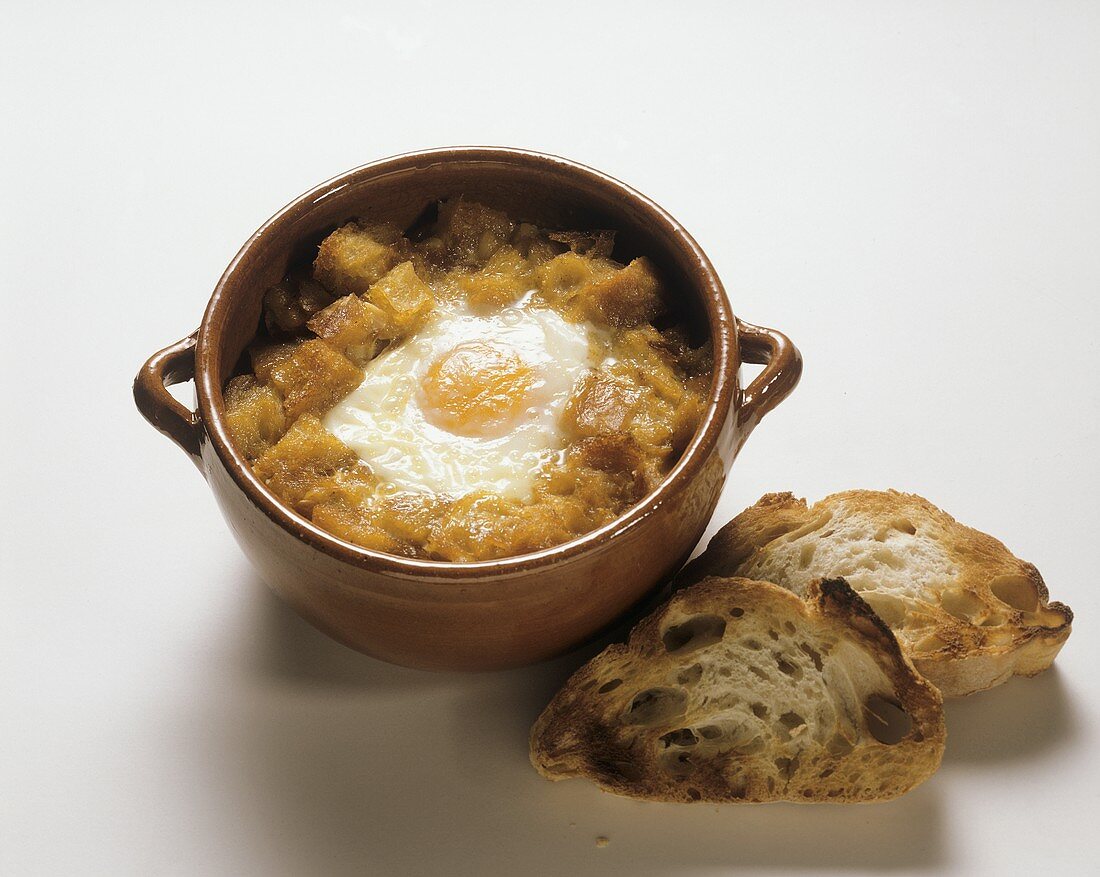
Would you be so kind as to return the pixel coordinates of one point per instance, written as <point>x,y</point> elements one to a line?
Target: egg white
<point>384,421</point>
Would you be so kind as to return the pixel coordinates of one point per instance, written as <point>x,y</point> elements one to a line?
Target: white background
<point>911,191</point>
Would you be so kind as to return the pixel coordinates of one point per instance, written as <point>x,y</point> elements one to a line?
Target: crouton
<point>586,243</point>
<point>630,296</point>
<point>403,297</point>
<point>302,459</point>
<point>351,259</point>
<point>395,524</point>
<point>609,453</point>
<point>563,279</point>
<point>535,246</point>
<point>354,327</point>
<point>503,279</point>
<point>255,416</point>
<point>471,232</point>
<point>310,376</point>
<point>599,405</point>
<point>289,304</point>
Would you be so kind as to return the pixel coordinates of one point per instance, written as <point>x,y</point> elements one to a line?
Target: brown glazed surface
<point>493,614</point>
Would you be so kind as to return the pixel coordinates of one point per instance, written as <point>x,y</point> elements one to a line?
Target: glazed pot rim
<point>722,397</point>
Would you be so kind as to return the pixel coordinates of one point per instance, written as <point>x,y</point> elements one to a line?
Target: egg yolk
<point>476,389</point>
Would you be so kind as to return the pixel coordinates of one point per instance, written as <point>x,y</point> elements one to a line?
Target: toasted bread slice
<point>737,690</point>
<point>967,611</point>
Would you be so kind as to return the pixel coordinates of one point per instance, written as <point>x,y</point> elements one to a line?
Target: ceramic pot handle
<point>172,365</point>
<point>782,368</point>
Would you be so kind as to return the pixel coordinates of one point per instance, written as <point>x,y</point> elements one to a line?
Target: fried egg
<point>470,402</point>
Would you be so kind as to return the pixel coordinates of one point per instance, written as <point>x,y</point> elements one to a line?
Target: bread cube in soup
<point>404,298</point>
<point>383,232</point>
<point>289,304</point>
<point>352,326</point>
<point>355,524</point>
<point>350,486</point>
<point>686,418</point>
<point>630,296</point>
<point>409,517</point>
<point>534,245</point>
<point>282,310</point>
<point>397,524</point>
<point>429,258</point>
<point>471,232</point>
<point>312,297</point>
<point>351,259</point>
<point>301,460</point>
<point>561,277</point>
<point>599,405</point>
<point>267,359</point>
<point>586,243</point>
<point>694,360</point>
<point>609,453</point>
<point>564,280</point>
<point>653,364</point>
<point>310,376</point>
<point>604,474</point>
<point>254,414</point>
<point>474,527</point>
<point>502,280</point>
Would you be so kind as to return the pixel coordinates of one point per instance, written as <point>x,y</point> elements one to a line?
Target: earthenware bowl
<point>500,613</point>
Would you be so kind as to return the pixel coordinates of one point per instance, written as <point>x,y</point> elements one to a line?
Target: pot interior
<point>538,189</point>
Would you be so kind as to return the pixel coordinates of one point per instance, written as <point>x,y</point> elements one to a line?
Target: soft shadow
<point>339,764</point>
<point>284,646</point>
<point>1020,719</point>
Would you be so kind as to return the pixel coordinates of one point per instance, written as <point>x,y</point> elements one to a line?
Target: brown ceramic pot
<point>500,613</point>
